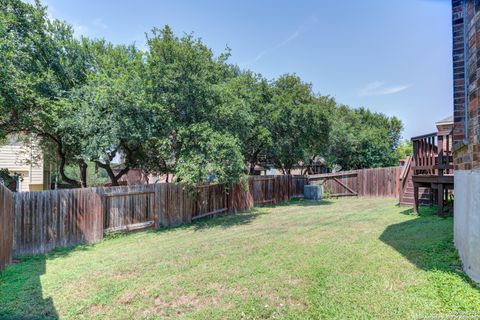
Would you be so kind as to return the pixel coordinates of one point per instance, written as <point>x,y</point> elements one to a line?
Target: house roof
<point>447,120</point>
<point>259,168</point>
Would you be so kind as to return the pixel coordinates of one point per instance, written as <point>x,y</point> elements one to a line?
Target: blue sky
<point>390,56</point>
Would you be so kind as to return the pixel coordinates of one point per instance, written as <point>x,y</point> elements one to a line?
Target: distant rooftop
<point>447,120</point>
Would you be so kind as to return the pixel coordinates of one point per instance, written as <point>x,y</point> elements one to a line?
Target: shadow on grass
<point>245,218</point>
<point>226,221</point>
<point>21,294</point>
<point>305,203</point>
<point>423,211</point>
<point>427,242</point>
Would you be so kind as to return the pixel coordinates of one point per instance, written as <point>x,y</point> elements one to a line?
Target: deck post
<point>415,198</point>
<point>431,194</point>
<point>440,155</point>
<point>440,199</point>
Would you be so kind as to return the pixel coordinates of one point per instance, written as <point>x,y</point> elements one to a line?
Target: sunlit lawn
<point>350,258</point>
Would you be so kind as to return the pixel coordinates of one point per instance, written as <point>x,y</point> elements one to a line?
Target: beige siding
<point>17,159</point>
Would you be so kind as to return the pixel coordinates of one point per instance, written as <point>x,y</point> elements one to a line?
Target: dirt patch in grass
<point>96,309</point>
<point>127,297</point>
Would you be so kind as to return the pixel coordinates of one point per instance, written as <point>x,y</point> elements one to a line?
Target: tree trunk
<point>113,178</point>
<point>83,173</point>
<point>309,169</point>
<point>253,161</point>
<point>72,182</point>
<point>252,169</point>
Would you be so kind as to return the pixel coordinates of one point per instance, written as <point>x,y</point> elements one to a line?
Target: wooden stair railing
<point>404,176</point>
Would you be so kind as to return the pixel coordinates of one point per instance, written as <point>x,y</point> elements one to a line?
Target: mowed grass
<point>350,258</point>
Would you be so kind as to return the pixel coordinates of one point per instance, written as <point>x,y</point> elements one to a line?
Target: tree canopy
<point>176,108</point>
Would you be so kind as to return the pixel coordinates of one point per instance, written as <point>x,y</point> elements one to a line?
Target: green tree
<point>41,62</point>
<point>109,114</point>
<point>184,82</point>
<point>404,150</point>
<point>177,108</point>
<point>300,123</point>
<point>245,111</point>
<point>363,139</point>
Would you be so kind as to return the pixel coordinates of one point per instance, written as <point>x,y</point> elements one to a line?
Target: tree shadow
<point>245,218</point>
<point>310,203</point>
<point>226,221</point>
<point>21,294</point>
<point>427,242</point>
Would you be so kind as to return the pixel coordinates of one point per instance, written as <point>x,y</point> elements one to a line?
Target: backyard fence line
<point>38,222</point>
<point>375,182</point>
<point>57,218</point>
<point>6,226</point>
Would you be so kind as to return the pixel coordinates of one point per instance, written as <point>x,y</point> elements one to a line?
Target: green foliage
<point>109,112</point>
<point>245,111</point>
<point>363,139</point>
<point>176,108</point>
<point>209,155</point>
<point>184,83</point>
<point>300,122</point>
<point>404,150</point>
<point>7,178</point>
<point>95,177</point>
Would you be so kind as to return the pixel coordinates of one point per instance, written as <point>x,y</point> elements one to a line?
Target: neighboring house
<point>137,176</point>
<point>445,128</point>
<point>27,161</point>
<point>466,134</point>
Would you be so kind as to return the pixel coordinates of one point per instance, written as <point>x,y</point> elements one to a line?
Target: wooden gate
<point>129,210</point>
<point>263,189</point>
<point>374,182</point>
<point>338,184</point>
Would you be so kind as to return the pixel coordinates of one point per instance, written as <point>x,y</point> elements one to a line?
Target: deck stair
<point>406,183</point>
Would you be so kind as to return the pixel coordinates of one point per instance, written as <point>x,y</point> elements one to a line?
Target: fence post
<point>7,215</point>
<point>289,186</point>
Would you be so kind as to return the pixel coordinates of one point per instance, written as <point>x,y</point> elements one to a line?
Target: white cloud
<point>257,57</point>
<point>80,29</point>
<point>292,37</point>
<point>92,28</point>
<point>380,88</point>
<point>286,41</point>
<point>98,23</point>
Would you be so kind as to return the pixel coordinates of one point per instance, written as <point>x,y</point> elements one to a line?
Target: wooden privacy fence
<point>376,182</point>
<point>57,218</point>
<point>6,225</point>
<point>37,222</point>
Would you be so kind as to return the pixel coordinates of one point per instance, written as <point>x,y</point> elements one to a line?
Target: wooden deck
<point>433,179</point>
<point>432,168</point>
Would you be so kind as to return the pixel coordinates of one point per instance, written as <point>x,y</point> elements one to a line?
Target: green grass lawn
<point>351,258</point>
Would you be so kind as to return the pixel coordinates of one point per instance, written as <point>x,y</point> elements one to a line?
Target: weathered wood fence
<point>38,222</point>
<point>376,182</point>
<point>6,225</point>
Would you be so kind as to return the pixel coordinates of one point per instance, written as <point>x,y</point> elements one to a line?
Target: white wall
<point>467,220</point>
<point>16,158</point>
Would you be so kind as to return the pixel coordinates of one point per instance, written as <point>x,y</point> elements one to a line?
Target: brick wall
<point>466,81</point>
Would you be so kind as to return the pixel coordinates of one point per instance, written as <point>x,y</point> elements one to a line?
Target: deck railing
<point>432,154</point>
<point>405,175</point>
